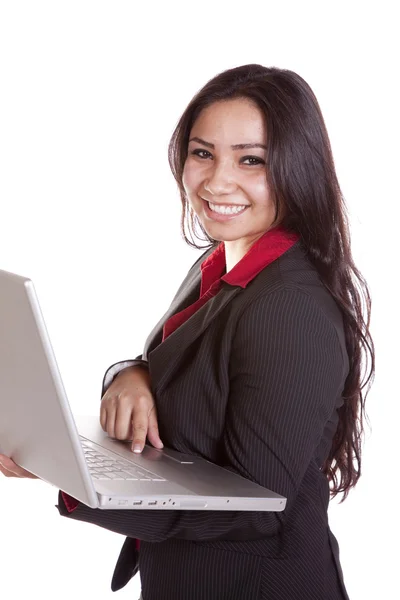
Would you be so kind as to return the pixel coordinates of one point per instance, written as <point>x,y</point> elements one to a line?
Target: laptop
<point>39,432</point>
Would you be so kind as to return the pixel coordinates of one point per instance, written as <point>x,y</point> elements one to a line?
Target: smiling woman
<point>256,365</point>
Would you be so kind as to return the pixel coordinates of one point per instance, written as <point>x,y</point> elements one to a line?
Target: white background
<point>90,94</point>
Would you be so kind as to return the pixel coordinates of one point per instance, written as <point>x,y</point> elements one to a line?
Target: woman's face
<point>225,182</point>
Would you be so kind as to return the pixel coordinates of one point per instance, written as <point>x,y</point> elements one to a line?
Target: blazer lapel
<point>165,357</point>
<point>186,295</point>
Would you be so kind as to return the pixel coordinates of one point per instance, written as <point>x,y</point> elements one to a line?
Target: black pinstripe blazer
<point>252,381</point>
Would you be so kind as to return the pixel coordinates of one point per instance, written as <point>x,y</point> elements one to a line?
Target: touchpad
<point>154,454</point>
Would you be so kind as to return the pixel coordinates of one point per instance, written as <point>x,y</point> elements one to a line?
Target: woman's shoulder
<point>294,275</point>
<point>292,284</point>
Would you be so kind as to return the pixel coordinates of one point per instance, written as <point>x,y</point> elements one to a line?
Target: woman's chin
<point>221,236</point>
<point>220,231</point>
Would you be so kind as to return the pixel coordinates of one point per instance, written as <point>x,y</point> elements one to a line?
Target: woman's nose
<point>221,180</point>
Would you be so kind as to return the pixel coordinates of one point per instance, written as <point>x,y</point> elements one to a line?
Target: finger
<point>110,424</point>
<point>103,417</point>
<point>123,420</point>
<point>140,423</point>
<point>6,465</point>
<point>153,433</point>
<point>104,406</point>
<point>6,472</point>
<point>13,470</point>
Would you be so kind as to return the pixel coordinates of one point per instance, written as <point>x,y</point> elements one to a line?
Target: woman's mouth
<point>223,212</point>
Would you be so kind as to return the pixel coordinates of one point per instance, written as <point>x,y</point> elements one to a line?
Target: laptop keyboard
<point>104,466</point>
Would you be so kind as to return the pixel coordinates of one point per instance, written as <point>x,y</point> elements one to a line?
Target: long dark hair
<point>301,176</point>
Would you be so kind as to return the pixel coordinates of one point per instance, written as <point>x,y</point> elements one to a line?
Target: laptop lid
<point>31,386</point>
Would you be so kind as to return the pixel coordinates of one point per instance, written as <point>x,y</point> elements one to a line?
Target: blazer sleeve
<point>287,371</point>
<point>116,368</point>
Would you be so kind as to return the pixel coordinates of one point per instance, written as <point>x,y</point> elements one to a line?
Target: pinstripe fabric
<point>252,382</point>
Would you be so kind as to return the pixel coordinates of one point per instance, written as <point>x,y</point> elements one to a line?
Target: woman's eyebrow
<point>234,146</point>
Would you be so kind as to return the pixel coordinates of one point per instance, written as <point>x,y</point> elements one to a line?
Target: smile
<point>233,209</point>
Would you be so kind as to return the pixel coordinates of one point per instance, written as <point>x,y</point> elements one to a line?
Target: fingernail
<point>137,448</point>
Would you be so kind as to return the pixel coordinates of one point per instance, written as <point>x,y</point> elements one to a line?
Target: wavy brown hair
<point>301,175</point>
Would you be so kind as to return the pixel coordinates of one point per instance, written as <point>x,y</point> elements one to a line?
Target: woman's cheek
<point>190,177</point>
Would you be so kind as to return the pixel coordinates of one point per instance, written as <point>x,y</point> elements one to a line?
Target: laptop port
<point>152,502</point>
<point>137,502</point>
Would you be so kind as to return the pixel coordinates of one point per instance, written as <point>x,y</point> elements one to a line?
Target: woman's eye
<point>205,154</point>
<point>198,153</point>
<point>259,161</point>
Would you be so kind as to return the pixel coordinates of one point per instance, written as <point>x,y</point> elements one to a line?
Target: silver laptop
<point>38,431</point>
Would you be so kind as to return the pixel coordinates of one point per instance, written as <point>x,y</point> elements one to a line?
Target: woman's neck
<point>235,250</point>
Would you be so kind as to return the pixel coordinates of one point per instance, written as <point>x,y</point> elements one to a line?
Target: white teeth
<point>226,210</point>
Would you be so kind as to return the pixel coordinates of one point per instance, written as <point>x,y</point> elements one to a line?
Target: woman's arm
<point>287,372</point>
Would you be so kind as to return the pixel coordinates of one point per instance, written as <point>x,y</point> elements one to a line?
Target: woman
<point>256,365</point>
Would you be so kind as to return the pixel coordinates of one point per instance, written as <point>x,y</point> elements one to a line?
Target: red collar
<point>264,251</point>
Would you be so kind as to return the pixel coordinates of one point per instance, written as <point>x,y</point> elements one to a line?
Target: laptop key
<point>140,476</point>
<point>114,476</point>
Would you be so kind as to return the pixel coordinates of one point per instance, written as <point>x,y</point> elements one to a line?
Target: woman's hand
<point>10,469</point>
<point>128,410</point>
